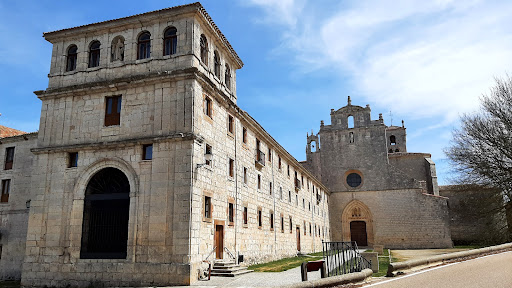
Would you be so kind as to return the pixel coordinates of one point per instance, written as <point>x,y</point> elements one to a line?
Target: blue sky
<point>425,62</point>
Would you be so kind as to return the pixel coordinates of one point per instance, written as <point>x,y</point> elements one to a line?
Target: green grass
<point>9,284</point>
<point>283,264</point>
<point>316,254</point>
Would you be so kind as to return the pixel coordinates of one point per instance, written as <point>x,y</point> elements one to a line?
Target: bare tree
<point>481,150</point>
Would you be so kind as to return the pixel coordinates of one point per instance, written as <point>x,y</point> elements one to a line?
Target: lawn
<point>284,264</point>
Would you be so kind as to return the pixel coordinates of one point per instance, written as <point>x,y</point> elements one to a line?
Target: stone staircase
<point>228,268</point>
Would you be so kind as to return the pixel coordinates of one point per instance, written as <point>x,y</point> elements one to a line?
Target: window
<point>231,124</point>
<point>9,158</point>
<point>269,155</point>
<point>271,220</point>
<point>170,41</point>
<point>113,111</point>
<point>260,222</point>
<point>144,46</point>
<point>245,175</point>
<point>303,203</point>
<point>259,181</point>
<point>94,54</point>
<point>291,224</point>
<point>73,159</point>
<point>392,140</point>
<point>354,180</point>
<point>231,214</point>
<point>71,58</point>
<point>6,185</point>
<point>0,251</point>
<point>305,228</point>
<point>296,200</point>
<point>288,170</point>
<point>207,207</point>
<point>302,180</point>
<point>231,168</point>
<point>244,135</point>
<point>309,228</point>
<point>282,223</point>
<point>208,151</point>
<point>270,188</point>
<point>227,77</point>
<point>117,49</point>
<point>147,152</point>
<point>208,106</point>
<point>350,121</point>
<point>281,193</point>
<point>216,64</point>
<point>204,49</point>
<point>245,215</point>
<point>279,162</point>
<point>289,196</point>
<point>351,137</point>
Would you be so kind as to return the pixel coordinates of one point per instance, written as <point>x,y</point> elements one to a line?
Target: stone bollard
<point>372,256</point>
<point>379,249</point>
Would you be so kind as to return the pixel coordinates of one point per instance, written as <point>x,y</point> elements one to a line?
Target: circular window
<point>353,180</point>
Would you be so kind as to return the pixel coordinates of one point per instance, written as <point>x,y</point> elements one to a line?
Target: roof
<point>197,5</point>
<point>9,132</point>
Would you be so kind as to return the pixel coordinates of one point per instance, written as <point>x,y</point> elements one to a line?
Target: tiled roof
<point>9,132</point>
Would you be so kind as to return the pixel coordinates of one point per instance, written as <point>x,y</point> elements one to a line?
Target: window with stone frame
<point>94,54</point>
<point>227,77</point>
<point>271,221</point>
<point>279,162</point>
<point>71,58</point>
<point>269,155</point>
<point>231,124</point>
<point>231,168</point>
<point>291,224</point>
<point>281,193</point>
<point>245,175</point>
<point>288,170</point>
<point>147,152</point>
<point>216,64</point>
<point>6,186</point>
<point>244,135</point>
<point>113,110</point>
<point>72,159</point>
<point>208,151</point>
<point>231,213</point>
<point>259,181</point>
<point>309,228</point>
<point>144,46</point>
<point>9,158</point>
<point>289,196</point>
<point>270,188</point>
<point>207,208</point>
<point>170,41</point>
<point>204,49</point>
<point>305,229</point>
<point>245,216</point>
<point>208,106</point>
<point>282,223</point>
<point>260,218</point>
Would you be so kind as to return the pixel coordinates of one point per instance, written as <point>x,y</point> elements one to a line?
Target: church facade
<point>144,167</point>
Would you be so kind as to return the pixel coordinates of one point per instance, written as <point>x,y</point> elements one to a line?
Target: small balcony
<point>260,159</point>
<point>297,185</point>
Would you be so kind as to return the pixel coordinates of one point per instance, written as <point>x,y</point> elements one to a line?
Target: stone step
<point>233,274</point>
<point>227,270</point>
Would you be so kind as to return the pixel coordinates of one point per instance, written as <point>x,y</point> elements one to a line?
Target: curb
<point>392,267</point>
<point>334,281</point>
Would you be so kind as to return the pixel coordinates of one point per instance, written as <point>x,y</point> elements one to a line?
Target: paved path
<point>493,271</point>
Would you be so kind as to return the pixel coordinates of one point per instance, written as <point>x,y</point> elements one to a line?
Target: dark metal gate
<point>343,257</point>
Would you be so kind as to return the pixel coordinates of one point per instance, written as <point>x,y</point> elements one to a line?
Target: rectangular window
<point>6,186</point>
<point>288,170</point>
<point>113,111</point>
<point>231,124</point>
<point>282,223</point>
<point>270,188</point>
<point>271,220</point>
<point>289,196</point>
<point>244,135</point>
<point>9,158</point>
<point>302,180</point>
<point>245,215</point>
<point>279,162</point>
<point>208,151</point>
<point>0,251</point>
<point>259,181</point>
<point>291,224</point>
<point>231,168</point>
<point>303,203</point>
<point>207,207</point>
<point>147,152</point>
<point>281,193</point>
<point>245,175</point>
<point>269,155</point>
<point>260,222</point>
<point>73,159</point>
<point>305,229</point>
<point>231,214</point>
<point>208,107</point>
<point>309,228</point>
<point>296,200</point>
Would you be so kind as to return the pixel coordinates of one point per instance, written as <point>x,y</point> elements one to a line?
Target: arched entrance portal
<point>357,224</point>
<point>106,212</point>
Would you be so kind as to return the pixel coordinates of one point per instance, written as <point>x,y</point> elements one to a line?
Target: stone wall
<point>14,213</point>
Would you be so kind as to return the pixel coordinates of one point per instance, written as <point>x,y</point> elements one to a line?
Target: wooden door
<point>358,233</point>
<point>298,239</point>
<point>219,241</point>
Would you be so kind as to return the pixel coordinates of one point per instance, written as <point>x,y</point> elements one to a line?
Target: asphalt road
<point>493,271</point>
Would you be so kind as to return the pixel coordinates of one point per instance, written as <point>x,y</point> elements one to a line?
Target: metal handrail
<point>343,257</point>
<point>229,253</point>
<point>210,254</point>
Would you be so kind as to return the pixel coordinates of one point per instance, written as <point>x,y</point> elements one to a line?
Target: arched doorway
<point>357,224</point>
<point>105,218</point>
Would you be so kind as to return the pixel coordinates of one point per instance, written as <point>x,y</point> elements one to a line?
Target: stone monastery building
<point>144,166</point>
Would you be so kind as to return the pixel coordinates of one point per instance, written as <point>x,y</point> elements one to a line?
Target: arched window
<point>227,77</point>
<point>396,150</point>
<point>106,212</point>
<point>144,46</point>
<point>350,122</point>
<point>71,58</point>
<point>392,140</point>
<point>390,151</point>
<point>117,49</point>
<point>170,41</point>
<point>216,64</point>
<point>204,50</point>
<point>94,54</point>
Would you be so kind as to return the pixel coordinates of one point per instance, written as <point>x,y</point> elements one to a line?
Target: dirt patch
<point>404,255</point>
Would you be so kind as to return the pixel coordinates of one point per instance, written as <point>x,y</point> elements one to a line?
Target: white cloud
<point>431,58</point>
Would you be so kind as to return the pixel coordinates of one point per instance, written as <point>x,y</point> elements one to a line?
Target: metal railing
<point>342,258</point>
<point>229,253</point>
